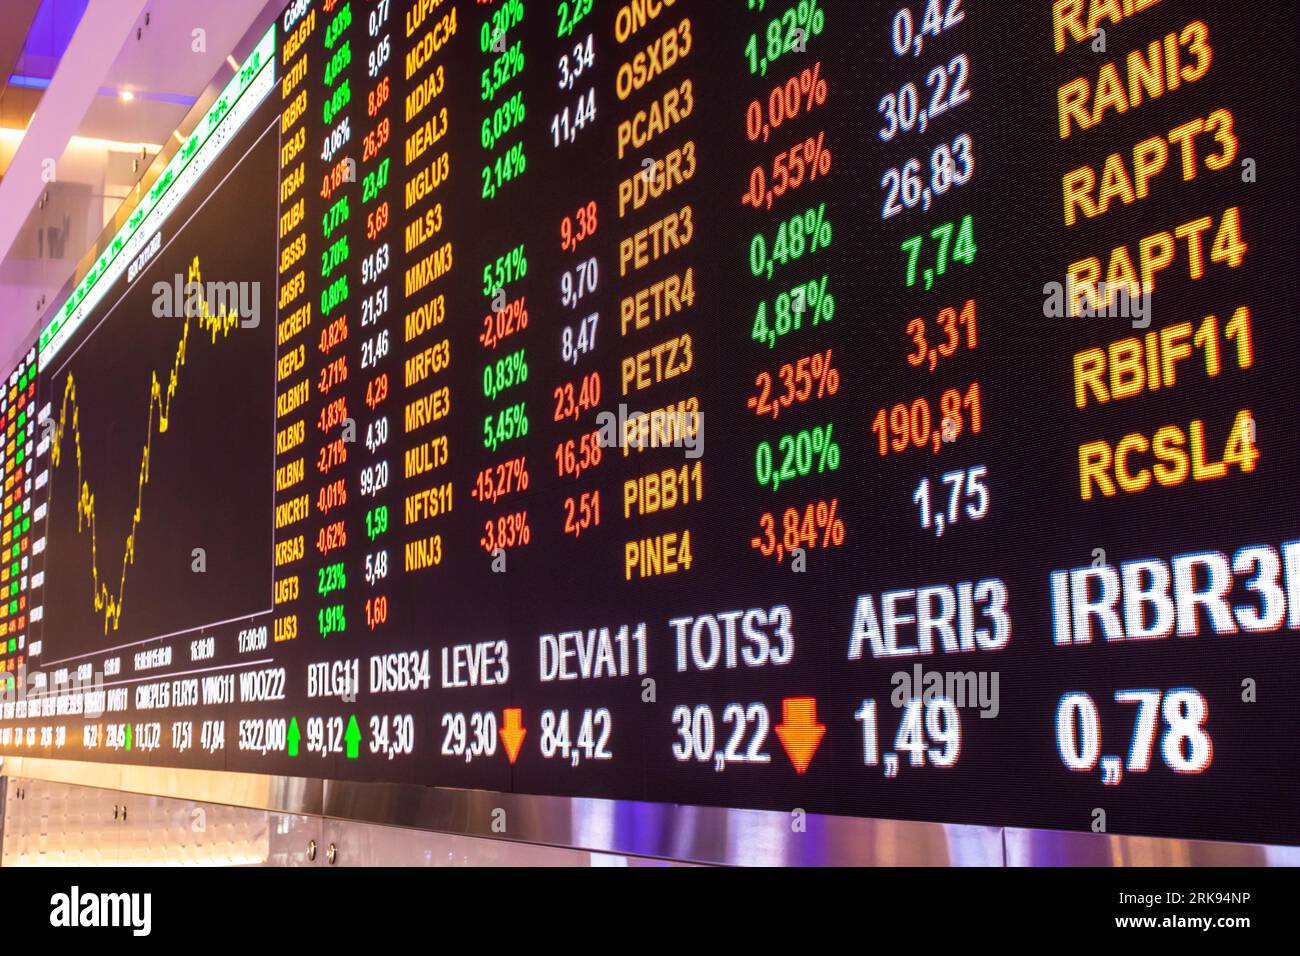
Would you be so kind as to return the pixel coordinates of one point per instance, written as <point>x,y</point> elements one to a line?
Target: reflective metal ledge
<point>708,835</point>
<point>1065,848</point>
<point>665,831</point>
<point>669,831</point>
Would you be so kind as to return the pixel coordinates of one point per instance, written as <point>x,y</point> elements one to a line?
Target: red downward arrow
<point>799,731</point>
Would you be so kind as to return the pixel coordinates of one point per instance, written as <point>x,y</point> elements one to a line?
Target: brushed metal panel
<point>295,839</point>
<point>715,835</point>
<point>59,824</point>
<point>708,835</point>
<point>53,824</point>
<point>1064,848</point>
<point>260,791</point>
<point>367,844</point>
<point>712,835</point>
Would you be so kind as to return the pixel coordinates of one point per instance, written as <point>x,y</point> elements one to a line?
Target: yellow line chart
<point>107,601</point>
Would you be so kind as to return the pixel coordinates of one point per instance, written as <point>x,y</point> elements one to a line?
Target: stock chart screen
<point>870,408</point>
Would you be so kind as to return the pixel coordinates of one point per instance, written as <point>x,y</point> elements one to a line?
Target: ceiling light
<point>93,142</point>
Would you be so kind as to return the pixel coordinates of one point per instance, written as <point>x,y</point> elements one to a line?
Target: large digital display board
<point>882,409</point>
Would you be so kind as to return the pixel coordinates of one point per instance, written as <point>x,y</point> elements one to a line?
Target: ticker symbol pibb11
<point>513,732</point>
<point>799,732</point>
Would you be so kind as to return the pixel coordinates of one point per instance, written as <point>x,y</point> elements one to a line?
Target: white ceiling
<point>94,132</point>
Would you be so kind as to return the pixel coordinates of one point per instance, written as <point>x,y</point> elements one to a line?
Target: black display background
<point>209,471</point>
<point>1009,771</point>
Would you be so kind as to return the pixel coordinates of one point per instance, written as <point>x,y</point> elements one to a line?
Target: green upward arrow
<point>353,737</point>
<point>295,736</point>
<point>128,736</point>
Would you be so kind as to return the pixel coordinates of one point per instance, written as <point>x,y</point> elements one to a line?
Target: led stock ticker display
<point>880,409</point>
